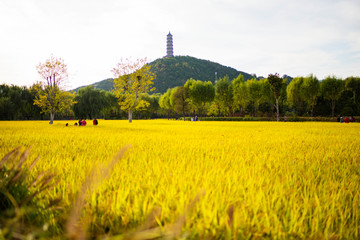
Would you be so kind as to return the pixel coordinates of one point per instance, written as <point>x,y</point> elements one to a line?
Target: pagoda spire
<point>169,46</point>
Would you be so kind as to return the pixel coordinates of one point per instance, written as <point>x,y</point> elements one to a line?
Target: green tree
<point>16,95</point>
<point>255,93</point>
<point>165,103</point>
<point>112,109</point>
<point>267,101</point>
<point>276,84</point>
<point>224,95</point>
<point>50,96</point>
<point>89,102</point>
<point>7,108</point>
<point>295,94</point>
<point>200,93</point>
<point>331,89</point>
<point>151,111</point>
<point>240,93</point>
<point>353,84</point>
<point>17,103</point>
<point>131,80</point>
<point>311,91</point>
<point>179,99</point>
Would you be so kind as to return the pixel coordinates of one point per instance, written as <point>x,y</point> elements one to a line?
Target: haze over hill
<point>175,71</point>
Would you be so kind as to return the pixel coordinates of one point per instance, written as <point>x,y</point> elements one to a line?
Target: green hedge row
<point>289,119</point>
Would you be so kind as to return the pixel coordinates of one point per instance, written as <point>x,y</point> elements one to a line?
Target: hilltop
<point>175,71</point>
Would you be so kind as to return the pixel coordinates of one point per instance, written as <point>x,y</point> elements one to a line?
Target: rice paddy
<point>222,180</point>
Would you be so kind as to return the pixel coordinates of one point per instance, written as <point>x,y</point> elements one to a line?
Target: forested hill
<point>175,71</point>
<point>106,85</point>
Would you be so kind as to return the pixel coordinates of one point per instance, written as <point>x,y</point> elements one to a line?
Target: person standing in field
<point>95,122</point>
<point>83,123</point>
<point>347,120</point>
<point>80,121</point>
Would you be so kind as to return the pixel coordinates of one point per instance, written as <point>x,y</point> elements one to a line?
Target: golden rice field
<point>200,180</point>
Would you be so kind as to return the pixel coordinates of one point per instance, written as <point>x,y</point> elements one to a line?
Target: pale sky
<point>290,37</point>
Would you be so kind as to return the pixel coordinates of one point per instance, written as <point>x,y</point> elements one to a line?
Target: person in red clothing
<point>347,120</point>
<point>95,122</point>
<point>83,123</point>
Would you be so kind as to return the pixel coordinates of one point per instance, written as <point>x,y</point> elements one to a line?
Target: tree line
<point>273,96</point>
<point>303,96</point>
<point>270,97</point>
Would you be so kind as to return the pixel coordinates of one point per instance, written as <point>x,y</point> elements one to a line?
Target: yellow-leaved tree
<point>51,97</point>
<point>132,78</point>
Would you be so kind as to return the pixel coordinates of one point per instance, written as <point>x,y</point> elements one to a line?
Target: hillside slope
<point>175,71</point>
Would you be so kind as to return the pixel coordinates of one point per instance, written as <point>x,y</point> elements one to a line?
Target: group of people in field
<point>82,122</point>
<point>346,119</point>
<point>194,119</point>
